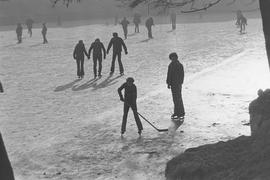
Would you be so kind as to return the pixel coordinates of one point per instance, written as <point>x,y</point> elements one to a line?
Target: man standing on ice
<point>175,79</point>
<point>97,48</point>
<point>44,33</point>
<point>173,20</point>
<point>29,23</point>
<point>78,54</point>
<point>19,31</point>
<point>137,21</point>
<point>129,100</point>
<point>124,24</point>
<point>149,23</point>
<point>117,44</point>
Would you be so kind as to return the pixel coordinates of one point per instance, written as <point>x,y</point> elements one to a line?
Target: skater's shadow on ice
<point>107,82</point>
<point>87,85</point>
<point>66,86</point>
<point>144,41</point>
<point>170,31</point>
<point>133,34</point>
<point>35,45</point>
<point>10,45</point>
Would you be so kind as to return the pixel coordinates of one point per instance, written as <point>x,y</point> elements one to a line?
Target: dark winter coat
<point>44,30</point>
<point>19,30</point>
<point>124,23</point>
<point>149,22</point>
<point>137,19</point>
<point>117,44</point>
<point>29,23</point>
<point>97,48</point>
<point>175,75</point>
<point>79,51</point>
<point>130,93</point>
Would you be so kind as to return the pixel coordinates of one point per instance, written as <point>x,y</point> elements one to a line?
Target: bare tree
<point>265,6</point>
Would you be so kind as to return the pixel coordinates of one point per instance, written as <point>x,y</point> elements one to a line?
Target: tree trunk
<point>265,12</point>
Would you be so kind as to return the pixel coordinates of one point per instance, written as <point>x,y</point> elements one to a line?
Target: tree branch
<point>204,8</point>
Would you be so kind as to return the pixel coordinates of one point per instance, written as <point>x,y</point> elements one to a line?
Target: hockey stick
<point>159,130</point>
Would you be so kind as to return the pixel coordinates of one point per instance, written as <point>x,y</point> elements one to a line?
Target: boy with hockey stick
<point>129,101</point>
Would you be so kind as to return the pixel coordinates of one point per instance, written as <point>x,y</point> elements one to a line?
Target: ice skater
<point>19,31</point>
<point>44,33</point>
<point>173,20</point>
<point>175,79</point>
<point>29,24</point>
<point>117,44</point>
<point>149,23</point>
<point>97,48</point>
<point>137,21</point>
<point>243,24</point>
<point>125,24</point>
<point>129,100</point>
<point>78,54</point>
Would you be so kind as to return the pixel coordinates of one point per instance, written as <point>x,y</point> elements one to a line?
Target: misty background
<point>15,11</point>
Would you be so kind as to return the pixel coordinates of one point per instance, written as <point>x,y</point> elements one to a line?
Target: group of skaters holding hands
<point>29,24</point>
<point>98,50</point>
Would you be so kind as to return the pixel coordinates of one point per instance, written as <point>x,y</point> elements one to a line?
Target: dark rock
<point>245,158</point>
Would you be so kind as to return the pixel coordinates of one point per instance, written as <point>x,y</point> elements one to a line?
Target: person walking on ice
<point>44,33</point>
<point>137,21</point>
<point>125,24</point>
<point>97,48</point>
<point>29,23</point>
<point>78,54</point>
<point>175,79</point>
<point>117,44</point>
<point>129,100</point>
<point>19,31</point>
<point>149,23</point>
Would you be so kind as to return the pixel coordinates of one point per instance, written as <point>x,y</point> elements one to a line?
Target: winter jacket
<point>175,75</point>
<point>79,51</point>
<point>97,48</point>
<point>130,93</point>
<point>117,44</point>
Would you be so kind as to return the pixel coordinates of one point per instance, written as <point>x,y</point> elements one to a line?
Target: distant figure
<point>97,48</point>
<point>238,17</point>
<point>1,87</point>
<point>19,31</point>
<point>175,79</point>
<point>241,21</point>
<point>124,24</point>
<point>137,21</point>
<point>29,23</point>
<point>117,44</point>
<point>129,100</point>
<point>44,33</point>
<point>243,24</point>
<point>78,54</point>
<point>149,23</point>
<point>173,20</point>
